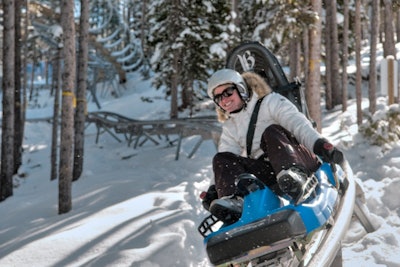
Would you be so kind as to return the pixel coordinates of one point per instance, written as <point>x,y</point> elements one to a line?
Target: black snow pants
<point>281,151</point>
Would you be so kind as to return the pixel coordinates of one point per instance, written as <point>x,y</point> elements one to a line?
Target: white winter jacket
<point>274,109</point>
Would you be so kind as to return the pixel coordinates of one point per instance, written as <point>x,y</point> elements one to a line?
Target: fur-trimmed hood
<point>255,83</point>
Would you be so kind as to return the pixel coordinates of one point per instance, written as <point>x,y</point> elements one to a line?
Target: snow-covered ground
<point>140,207</point>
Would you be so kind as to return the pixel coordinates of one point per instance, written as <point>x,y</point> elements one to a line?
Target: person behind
<point>284,144</point>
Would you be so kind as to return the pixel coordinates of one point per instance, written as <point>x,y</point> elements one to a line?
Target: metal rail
<point>331,242</point>
<point>138,132</point>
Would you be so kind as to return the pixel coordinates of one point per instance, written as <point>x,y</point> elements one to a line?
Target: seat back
<point>253,56</point>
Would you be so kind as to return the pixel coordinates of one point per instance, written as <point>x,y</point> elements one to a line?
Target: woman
<point>278,152</point>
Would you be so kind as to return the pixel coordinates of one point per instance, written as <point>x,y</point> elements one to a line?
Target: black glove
<point>328,152</point>
<point>209,196</point>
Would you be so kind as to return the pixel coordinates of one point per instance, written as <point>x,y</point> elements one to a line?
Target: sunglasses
<point>226,93</point>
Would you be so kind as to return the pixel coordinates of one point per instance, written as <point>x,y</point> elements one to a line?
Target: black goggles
<point>226,93</point>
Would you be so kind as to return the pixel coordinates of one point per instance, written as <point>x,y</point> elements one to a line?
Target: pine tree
<point>223,33</point>
<point>190,38</point>
<point>278,24</point>
<point>166,22</point>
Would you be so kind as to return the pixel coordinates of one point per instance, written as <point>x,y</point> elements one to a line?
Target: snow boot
<point>247,183</point>
<point>296,184</point>
<point>227,209</point>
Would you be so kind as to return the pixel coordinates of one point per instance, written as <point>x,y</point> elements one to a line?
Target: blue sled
<point>271,221</point>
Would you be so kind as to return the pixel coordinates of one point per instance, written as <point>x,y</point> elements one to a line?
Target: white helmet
<point>227,76</point>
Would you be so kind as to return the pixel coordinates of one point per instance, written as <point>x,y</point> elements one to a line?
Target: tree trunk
<point>389,45</point>
<point>174,87</point>
<point>175,63</point>
<point>334,52</point>
<point>294,59</point>
<point>67,112</point>
<point>398,32</point>
<point>236,20</point>
<point>32,78</point>
<point>345,55</point>
<point>24,73</point>
<point>8,121</point>
<point>372,65</point>
<point>398,25</point>
<point>381,26</point>
<point>306,52</point>
<point>81,106</point>
<point>18,135</point>
<point>56,84</point>
<point>313,94</point>
<point>187,93</point>
<point>357,31</point>
<point>328,56</point>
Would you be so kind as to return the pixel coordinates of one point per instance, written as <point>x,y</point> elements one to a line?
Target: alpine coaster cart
<point>274,231</point>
